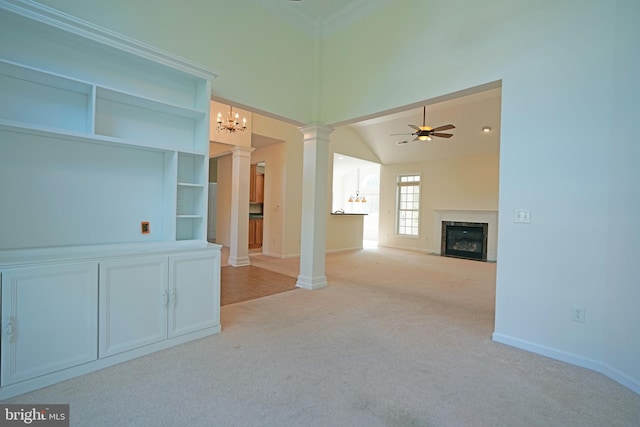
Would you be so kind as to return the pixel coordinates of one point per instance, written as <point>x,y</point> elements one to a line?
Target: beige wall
<point>289,194</point>
<point>344,232</point>
<point>274,157</point>
<point>213,170</point>
<point>467,183</point>
<point>223,202</point>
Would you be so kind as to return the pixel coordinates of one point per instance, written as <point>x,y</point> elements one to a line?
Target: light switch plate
<point>523,216</point>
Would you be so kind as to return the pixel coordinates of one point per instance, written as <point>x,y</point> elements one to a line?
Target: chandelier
<point>359,197</point>
<point>230,124</point>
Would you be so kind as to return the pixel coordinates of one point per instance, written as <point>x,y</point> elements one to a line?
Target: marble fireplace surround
<point>489,217</point>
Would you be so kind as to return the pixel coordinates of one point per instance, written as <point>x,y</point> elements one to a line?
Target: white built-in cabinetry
<point>50,319</point>
<point>104,149</point>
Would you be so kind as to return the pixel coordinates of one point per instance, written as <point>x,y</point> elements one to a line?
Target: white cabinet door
<point>194,283</point>
<point>49,319</point>
<point>133,303</point>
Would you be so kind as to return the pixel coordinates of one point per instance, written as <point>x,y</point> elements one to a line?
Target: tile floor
<point>239,284</point>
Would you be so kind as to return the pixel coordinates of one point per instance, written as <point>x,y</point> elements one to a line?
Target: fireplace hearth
<point>464,240</point>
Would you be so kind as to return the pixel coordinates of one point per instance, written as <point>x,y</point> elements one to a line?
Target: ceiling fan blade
<point>442,135</point>
<point>445,127</point>
<point>397,134</point>
<point>414,127</point>
<point>416,139</point>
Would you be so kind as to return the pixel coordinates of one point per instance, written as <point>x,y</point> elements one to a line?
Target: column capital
<point>239,151</point>
<point>316,131</point>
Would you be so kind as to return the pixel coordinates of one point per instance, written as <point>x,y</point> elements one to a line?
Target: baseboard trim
<point>570,358</point>
<point>239,261</point>
<point>355,248</point>
<point>621,378</point>
<point>312,283</point>
<point>405,248</point>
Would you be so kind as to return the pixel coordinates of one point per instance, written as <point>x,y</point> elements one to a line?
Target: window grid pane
<point>408,205</point>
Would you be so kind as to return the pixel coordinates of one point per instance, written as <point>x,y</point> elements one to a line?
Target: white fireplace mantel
<point>489,217</point>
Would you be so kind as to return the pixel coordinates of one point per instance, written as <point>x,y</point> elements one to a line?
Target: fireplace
<point>464,240</point>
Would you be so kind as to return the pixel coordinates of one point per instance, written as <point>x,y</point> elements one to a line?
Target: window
<point>408,205</point>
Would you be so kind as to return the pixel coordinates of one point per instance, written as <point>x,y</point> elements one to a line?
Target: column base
<point>312,283</point>
<point>239,262</point>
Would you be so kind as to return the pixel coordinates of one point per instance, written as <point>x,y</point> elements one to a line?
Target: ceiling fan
<point>424,132</point>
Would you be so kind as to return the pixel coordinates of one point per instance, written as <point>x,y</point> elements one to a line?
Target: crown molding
<point>351,12</point>
<point>323,26</point>
<point>63,21</point>
<point>291,16</point>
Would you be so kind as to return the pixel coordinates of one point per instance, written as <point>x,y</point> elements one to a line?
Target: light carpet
<point>397,339</point>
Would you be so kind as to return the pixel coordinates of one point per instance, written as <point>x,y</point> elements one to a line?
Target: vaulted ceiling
<point>468,113</point>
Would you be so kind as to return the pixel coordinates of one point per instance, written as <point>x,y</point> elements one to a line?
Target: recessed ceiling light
<point>486,129</point>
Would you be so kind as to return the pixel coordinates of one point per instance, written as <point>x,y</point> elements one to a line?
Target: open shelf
<point>37,98</point>
<point>100,134</point>
<point>148,103</point>
<point>191,199</point>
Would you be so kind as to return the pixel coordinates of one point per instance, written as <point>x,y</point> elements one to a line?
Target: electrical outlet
<point>578,314</point>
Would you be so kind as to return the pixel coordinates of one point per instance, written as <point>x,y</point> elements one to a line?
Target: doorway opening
<point>256,207</point>
<point>356,190</point>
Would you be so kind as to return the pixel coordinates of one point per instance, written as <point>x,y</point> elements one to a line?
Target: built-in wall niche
<point>42,99</point>
<point>76,104</point>
<point>122,115</point>
<point>191,196</point>
<point>53,199</point>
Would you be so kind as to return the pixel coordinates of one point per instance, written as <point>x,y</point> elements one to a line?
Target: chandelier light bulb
<point>231,124</point>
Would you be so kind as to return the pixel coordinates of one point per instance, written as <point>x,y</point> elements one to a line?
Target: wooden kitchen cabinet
<point>255,233</point>
<point>256,185</point>
<point>259,183</point>
<point>252,184</point>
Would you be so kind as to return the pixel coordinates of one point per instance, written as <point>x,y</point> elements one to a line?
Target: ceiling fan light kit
<point>424,132</point>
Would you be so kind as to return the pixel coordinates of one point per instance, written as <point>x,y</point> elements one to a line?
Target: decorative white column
<point>314,206</point>
<point>239,236</point>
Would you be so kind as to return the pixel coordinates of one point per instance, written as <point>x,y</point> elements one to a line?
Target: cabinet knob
<point>165,299</point>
